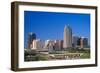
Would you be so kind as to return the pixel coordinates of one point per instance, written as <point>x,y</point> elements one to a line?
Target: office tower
<point>75,41</point>
<point>31,37</point>
<point>79,42</point>
<point>47,43</point>
<point>50,47</point>
<point>67,40</point>
<point>34,44</point>
<point>56,45</point>
<point>61,44</point>
<point>84,42</point>
<point>38,44</point>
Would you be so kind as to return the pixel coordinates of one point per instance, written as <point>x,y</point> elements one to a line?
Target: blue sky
<point>50,25</point>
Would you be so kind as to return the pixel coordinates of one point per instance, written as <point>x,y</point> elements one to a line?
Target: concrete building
<point>82,42</point>
<point>46,44</point>
<point>75,41</point>
<point>31,37</point>
<point>49,44</point>
<point>67,40</point>
<point>58,44</point>
<point>38,44</point>
<point>41,45</point>
<point>34,44</point>
<point>61,44</point>
<point>51,47</point>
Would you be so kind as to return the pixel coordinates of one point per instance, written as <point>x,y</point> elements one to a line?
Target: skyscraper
<point>82,42</point>
<point>67,40</point>
<point>75,41</point>
<point>85,42</point>
<point>61,44</point>
<point>31,37</point>
<point>57,46</point>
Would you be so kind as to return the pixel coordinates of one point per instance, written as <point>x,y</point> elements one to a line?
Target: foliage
<point>35,58</point>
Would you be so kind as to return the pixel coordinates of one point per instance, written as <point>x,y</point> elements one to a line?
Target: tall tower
<point>67,40</point>
<point>83,42</point>
<point>31,37</point>
<point>75,41</point>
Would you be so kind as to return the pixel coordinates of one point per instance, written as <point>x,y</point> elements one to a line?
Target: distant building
<point>50,47</point>
<point>61,44</point>
<point>46,43</point>
<point>49,44</point>
<point>67,41</point>
<point>53,45</point>
<point>38,44</point>
<point>58,44</point>
<point>42,44</point>
<point>34,44</point>
<point>31,37</point>
<point>75,40</point>
<point>82,42</point>
<point>79,41</point>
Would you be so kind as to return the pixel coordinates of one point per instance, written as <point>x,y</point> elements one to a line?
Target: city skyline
<point>49,25</point>
<point>68,41</point>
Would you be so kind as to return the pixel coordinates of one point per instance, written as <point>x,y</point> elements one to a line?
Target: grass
<point>36,58</point>
<point>85,53</point>
<point>85,56</point>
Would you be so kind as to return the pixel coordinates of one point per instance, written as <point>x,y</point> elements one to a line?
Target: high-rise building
<point>67,40</point>
<point>75,41</point>
<point>49,45</point>
<point>38,44</point>
<point>79,41</point>
<point>61,44</point>
<point>31,37</point>
<point>82,42</point>
<point>41,44</point>
<point>56,45</point>
<point>85,42</point>
<point>34,44</point>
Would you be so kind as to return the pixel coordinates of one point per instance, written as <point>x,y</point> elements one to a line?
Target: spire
<point>68,25</point>
<point>65,27</point>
